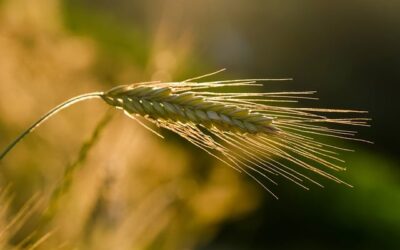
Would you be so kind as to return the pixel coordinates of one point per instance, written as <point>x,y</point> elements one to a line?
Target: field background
<point>91,178</point>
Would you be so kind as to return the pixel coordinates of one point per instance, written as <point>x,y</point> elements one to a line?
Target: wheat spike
<point>165,103</point>
<point>247,131</point>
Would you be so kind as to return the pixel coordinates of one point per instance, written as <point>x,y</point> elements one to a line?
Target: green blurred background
<point>346,50</point>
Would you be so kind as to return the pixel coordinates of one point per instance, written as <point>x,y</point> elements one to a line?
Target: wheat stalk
<point>244,130</point>
<point>11,227</point>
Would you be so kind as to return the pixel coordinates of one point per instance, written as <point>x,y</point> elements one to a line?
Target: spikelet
<point>247,131</point>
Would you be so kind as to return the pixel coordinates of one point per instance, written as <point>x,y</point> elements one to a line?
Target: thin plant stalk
<point>46,116</point>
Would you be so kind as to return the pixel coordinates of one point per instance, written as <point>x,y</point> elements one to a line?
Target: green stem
<point>48,115</point>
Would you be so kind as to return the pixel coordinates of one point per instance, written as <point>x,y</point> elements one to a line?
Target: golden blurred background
<point>91,178</point>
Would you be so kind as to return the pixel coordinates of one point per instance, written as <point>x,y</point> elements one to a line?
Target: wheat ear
<point>247,131</point>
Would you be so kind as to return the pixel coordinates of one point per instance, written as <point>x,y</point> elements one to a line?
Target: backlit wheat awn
<point>247,131</point>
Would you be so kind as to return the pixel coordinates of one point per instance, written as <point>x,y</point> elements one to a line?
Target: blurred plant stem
<point>71,168</point>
